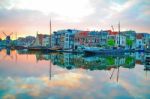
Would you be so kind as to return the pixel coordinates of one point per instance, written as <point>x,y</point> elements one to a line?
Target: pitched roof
<point>139,36</point>
<point>83,33</point>
<point>112,32</point>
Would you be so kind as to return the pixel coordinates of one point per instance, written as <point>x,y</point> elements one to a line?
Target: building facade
<point>63,39</point>
<point>139,41</point>
<point>130,39</point>
<point>90,39</point>
<point>118,38</point>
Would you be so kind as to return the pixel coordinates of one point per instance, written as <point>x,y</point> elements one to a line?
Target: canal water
<point>36,75</point>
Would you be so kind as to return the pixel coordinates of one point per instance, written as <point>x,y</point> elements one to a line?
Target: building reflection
<point>70,61</point>
<point>7,53</point>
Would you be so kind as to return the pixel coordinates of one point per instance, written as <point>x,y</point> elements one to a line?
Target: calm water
<point>33,75</point>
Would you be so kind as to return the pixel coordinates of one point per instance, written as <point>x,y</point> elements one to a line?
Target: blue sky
<point>28,16</point>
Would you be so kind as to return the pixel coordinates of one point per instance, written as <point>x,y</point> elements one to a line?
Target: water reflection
<point>97,62</point>
<point>27,75</point>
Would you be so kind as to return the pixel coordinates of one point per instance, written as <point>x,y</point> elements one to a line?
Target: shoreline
<point>102,51</point>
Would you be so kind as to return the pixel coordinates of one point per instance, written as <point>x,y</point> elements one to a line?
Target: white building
<point>120,40</point>
<point>130,35</point>
<point>69,39</point>
<point>63,39</point>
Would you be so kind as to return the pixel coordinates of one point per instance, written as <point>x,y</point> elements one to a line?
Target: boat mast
<point>16,45</point>
<point>50,33</point>
<point>118,58</point>
<point>112,73</point>
<point>119,32</point>
<point>50,68</point>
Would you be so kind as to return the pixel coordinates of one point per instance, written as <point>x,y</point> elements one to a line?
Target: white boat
<point>92,49</point>
<point>97,50</point>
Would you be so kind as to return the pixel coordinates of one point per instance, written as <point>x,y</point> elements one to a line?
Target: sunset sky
<point>26,17</point>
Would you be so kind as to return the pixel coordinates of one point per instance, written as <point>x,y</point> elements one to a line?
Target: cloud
<point>27,17</point>
<point>23,21</point>
<point>64,8</point>
<point>9,96</point>
<point>42,86</point>
<point>129,13</point>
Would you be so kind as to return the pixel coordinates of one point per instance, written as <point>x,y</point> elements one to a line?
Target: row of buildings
<point>77,39</point>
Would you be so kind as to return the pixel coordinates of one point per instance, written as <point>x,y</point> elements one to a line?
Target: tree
<point>128,60</point>
<point>129,42</point>
<point>110,60</point>
<point>111,42</point>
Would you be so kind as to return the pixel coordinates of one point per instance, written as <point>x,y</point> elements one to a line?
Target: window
<point>118,42</point>
<point>66,39</point>
<point>86,40</point>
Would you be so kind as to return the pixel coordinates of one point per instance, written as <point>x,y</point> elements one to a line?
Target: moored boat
<point>96,50</point>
